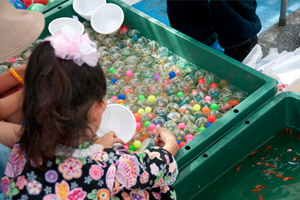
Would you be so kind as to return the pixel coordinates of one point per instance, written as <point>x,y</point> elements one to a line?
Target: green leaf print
<point>59,159</point>
<point>141,156</point>
<point>173,194</point>
<point>93,195</point>
<point>13,190</point>
<point>159,175</point>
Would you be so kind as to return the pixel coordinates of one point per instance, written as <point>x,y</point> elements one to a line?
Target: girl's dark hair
<point>57,98</point>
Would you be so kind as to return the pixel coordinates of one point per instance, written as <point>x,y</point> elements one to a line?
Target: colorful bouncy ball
<point>17,4</point>
<point>29,2</point>
<point>35,7</point>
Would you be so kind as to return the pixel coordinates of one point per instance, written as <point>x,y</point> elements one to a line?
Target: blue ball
<point>178,141</point>
<point>208,124</point>
<point>114,80</point>
<point>122,96</point>
<point>172,74</point>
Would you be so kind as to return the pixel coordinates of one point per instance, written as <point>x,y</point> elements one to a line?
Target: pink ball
<point>114,98</point>
<point>181,125</point>
<point>151,127</point>
<point>129,73</point>
<point>138,125</point>
<point>189,137</point>
<point>188,140</point>
<point>207,98</point>
<point>126,147</point>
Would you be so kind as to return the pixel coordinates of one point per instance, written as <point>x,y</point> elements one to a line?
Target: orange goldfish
<point>295,158</point>
<point>268,147</point>
<point>256,190</point>
<point>261,186</point>
<point>261,197</point>
<point>288,178</point>
<point>268,165</point>
<point>238,168</point>
<point>252,153</point>
<point>279,176</point>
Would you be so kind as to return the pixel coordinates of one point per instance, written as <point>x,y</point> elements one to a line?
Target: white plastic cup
<point>86,8</point>
<point>107,18</point>
<point>71,23</point>
<point>119,119</point>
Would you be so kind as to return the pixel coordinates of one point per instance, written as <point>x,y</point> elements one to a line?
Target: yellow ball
<point>141,110</point>
<point>137,144</point>
<point>148,109</point>
<point>196,107</point>
<point>151,99</point>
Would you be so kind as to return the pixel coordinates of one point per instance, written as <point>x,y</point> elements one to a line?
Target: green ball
<point>201,129</point>
<point>131,148</point>
<point>123,104</point>
<point>147,123</point>
<point>141,97</point>
<point>214,106</point>
<point>50,1</point>
<point>111,70</point>
<point>137,144</point>
<point>179,94</point>
<point>35,7</point>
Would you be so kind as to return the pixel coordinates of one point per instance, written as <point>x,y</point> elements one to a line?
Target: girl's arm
<point>11,104</point>
<point>8,81</point>
<point>9,134</point>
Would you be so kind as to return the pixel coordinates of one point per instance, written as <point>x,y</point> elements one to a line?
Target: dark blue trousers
<point>235,21</point>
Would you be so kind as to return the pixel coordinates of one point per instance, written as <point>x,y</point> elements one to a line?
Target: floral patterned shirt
<point>92,172</point>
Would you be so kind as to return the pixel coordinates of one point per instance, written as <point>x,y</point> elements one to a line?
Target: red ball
<point>29,2</point>
<point>213,85</point>
<point>181,144</point>
<point>211,118</point>
<point>201,80</point>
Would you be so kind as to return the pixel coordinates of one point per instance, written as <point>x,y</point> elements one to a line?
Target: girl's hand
<point>109,139</point>
<point>167,140</point>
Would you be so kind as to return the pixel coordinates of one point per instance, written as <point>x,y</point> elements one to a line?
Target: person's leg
<point>192,17</point>
<point>236,24</point>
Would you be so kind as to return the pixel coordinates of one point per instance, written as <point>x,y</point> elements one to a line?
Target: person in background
<point>19,29</point>
<point>59,155</point>
<point>233,22</point>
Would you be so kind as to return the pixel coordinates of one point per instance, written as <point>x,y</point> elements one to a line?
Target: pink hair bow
<point>69,45</point>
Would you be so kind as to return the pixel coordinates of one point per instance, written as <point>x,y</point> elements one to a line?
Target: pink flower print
<point>51,176</point>
<point>77,194</point>
<point>62,191</point>
<point>144,177</point>
<point>5,183</point>
<point>156,195</point>
<point>172,168</point>
<point>34,187</point>
<point>21,182</point>
<point>71,168</point>
<point>168,159</point>
<point>154,169</point>
<point>96,172</point>
<point>164,189</point>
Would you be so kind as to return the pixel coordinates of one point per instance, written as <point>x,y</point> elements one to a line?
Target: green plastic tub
<point>51,6</point>
<point>226,165</point>
<point>259,86</point>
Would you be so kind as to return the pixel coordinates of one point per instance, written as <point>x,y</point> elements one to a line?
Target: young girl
<point>59,155</point>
